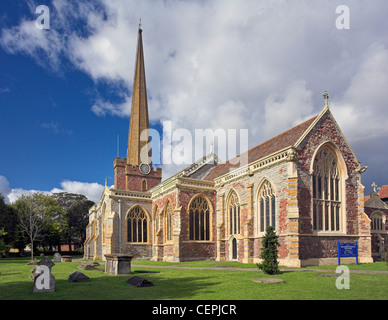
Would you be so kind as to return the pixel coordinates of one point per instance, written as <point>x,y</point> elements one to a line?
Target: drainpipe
<point>119,201</point>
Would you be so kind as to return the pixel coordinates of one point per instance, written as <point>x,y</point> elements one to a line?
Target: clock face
<point>145,168</point>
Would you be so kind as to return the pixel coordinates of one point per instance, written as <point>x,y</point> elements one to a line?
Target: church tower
<point>136,172</point>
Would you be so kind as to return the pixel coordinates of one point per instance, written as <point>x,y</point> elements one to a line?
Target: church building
<point>305,182</point>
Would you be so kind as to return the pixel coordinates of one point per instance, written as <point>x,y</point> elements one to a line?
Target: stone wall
<point>318,244</point>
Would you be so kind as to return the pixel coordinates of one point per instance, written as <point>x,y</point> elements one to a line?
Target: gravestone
<point>57,257</point>
<point>88,265</point>
<point>44,281</point>
<point>67,259</point>
<point>139,282</point>
<point>77,276</point>
<point>46,261</point>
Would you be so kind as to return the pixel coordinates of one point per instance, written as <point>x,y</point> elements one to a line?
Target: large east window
<point>326,185</point>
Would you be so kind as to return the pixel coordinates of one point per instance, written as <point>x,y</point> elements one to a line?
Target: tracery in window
<point>169,221</point>
<point>377,221</point>
<point>266,206</point>
<point>199,219</point>
<point>326,192</point>
<point>137,225</point>
<point>234,214</point>
<point>156,221</point>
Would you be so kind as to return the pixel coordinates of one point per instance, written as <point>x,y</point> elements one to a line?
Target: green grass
<point>191,284</point>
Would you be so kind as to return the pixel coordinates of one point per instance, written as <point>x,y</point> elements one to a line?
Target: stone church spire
<point>139,147</point>
<point>136,172</point>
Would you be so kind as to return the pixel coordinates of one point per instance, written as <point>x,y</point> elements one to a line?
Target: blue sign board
<point>347,250</point>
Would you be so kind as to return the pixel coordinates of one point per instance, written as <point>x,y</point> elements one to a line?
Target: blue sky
<point>259,65</point>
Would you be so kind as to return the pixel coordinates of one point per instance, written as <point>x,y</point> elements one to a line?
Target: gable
<point>375,202</point>
<point>330,131</point>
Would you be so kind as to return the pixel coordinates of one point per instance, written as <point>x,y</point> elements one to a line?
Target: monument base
<point>118,264</point>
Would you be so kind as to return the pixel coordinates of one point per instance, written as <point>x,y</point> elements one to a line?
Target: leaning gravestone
<point>44,281</point>
<point>139,282</point>
<point>46,261</point>
<point>88,265</point>
<point>77,276</point>
<point>57,257</point>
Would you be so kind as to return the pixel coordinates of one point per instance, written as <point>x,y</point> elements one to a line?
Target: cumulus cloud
<point>92,191</point>
<point>4,187</point>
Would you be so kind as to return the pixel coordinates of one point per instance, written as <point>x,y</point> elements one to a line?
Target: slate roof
<point>283,140</point>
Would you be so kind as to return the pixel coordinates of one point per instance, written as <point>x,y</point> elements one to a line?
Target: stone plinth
<point>118,264</point>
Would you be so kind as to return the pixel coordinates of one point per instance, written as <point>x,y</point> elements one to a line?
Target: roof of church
<point>383,192</point>
<point>283,140</point>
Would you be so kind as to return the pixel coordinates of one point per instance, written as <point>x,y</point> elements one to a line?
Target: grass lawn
<point>191,284</point>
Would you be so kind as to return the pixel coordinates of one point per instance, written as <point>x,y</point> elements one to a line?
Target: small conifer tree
<point>269,252</point>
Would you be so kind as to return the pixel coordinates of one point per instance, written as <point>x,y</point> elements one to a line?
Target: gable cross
<point>326,97</point>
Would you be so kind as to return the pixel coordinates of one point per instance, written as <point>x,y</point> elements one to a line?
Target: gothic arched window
<point>156,221</point>
<point>326,192</point>
<point>169,221</point>
<point>234,214</point>
<point>199,219</point>
<point>137,225</point>
<point>377,221</point>
<point>266,206</point>
<point>144,185</point>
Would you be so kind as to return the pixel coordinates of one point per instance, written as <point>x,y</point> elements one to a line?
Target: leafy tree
<point>3,246</point>
<point>40,218</point>
<point>77,215</point>
<point>8,223</point>
<point>78,218</point>
<point>269,252</point>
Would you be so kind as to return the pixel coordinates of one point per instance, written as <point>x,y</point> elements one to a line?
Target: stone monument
<point>44,281</point>
<point>118,264</point>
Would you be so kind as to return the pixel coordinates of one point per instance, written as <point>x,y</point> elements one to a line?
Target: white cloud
<point>101,108</point>
<point>363,109</point>
<point>259,65</point>
<point>4,188</point>
<point>92,191</point>
<point>44,47</point>
<point>286,109</point>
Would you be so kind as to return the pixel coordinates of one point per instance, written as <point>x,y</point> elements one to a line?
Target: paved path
<point>250,269</point>
<point>229,268</point>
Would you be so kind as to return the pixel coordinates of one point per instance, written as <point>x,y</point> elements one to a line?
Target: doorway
<point>234,249</point>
